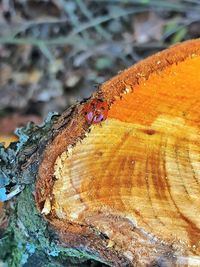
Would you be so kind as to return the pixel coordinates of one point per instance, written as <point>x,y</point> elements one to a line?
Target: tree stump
<point>118,176</point>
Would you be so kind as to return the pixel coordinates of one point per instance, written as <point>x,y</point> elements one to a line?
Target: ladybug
<point>95,111</point>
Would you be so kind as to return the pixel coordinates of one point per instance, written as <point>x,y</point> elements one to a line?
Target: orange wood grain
<point>174,92</point>
<point>136,176</point>
<point>143,162</point>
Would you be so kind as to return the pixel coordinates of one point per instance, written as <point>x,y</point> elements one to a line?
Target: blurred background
<point>56,52</point>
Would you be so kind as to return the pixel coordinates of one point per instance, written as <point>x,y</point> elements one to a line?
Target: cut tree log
<point>128,188</point>
<point>118,176</point>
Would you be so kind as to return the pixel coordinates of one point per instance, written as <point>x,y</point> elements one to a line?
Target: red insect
<point>96,111</point>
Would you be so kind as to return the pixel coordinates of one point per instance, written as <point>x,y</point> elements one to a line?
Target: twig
<point>178,28</point>
<point>70,39</point>
<point>180,7</point>
<point>27,25</point>
<point>88,15</point>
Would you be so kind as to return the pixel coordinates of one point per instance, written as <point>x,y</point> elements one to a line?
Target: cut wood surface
<point>127,189</point>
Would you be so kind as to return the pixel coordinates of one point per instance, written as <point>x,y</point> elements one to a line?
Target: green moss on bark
<point>28,238</point>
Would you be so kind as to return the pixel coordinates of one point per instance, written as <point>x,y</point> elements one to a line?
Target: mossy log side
<point>124,191</point>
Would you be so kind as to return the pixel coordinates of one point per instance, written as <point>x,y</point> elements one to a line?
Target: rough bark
<point>125,191</point>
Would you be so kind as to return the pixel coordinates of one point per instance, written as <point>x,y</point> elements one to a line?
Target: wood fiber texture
<point>127,189</point>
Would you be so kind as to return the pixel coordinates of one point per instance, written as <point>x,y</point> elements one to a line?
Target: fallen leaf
<point>6,140</point>
<point>26,78</point>
<point>5,74</point>
<point>11,122</point>
<point>147,27</point>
